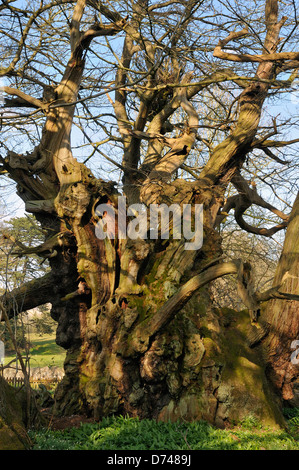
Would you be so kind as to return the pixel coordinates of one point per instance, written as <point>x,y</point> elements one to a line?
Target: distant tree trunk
<point>282,317</point>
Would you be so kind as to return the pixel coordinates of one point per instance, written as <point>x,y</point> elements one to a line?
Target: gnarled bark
<point>282,318</point>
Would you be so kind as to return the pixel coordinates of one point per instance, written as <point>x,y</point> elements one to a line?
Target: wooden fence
<point>18,382</point>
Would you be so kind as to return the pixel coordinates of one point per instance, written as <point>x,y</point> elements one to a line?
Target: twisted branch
<point>242,201</point>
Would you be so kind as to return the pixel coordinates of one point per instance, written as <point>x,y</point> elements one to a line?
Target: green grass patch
<point>44,352</point>
<point>119,433</point>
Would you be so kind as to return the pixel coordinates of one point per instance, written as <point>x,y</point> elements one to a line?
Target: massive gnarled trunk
<point>137,320</point>
<point>143,345</point>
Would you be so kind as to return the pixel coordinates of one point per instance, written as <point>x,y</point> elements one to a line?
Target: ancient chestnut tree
<point>160,103</point>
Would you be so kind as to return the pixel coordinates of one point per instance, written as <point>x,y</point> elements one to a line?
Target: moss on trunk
<point>13,435</point>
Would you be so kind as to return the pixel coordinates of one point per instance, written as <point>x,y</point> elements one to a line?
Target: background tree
<point>173,100</point>
<point>22,232</point>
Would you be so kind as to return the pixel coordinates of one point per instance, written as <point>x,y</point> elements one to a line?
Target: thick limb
<point>32,294</point>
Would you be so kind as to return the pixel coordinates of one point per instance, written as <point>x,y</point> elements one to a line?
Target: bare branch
<point>75,23</point>
<point>276,56</point>
<point>29,295</point>
<point>30,100</point>
<point>253,197</point>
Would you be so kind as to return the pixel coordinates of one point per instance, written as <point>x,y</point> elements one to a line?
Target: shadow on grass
<point>43,352</point>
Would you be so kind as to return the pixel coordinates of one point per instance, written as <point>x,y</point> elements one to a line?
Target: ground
<point>60,423</point>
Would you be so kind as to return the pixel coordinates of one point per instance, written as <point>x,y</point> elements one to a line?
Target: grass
<point>120,433</point>
<point>44,352</point>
